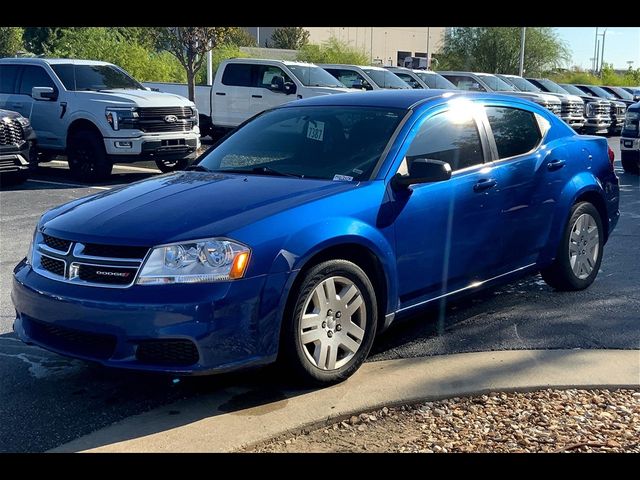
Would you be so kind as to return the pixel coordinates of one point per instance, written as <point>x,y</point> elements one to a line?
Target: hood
<point>9,113</point>
<point>317,91</point>
<point>566,97</point>
<point>534,97</point>
<point>182,206</point>
<point>139,98</point>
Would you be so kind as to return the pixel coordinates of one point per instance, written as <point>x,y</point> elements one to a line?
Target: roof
<point>269,60</point>
<point>403,99</point>
<point>340,65</point>
<point>52,61</point>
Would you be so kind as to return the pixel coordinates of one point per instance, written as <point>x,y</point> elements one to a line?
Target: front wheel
<point>332,323</point>
<point>631,164</point>
<point>87,158</point>
<point>166,166</point>
<point>580,252</point>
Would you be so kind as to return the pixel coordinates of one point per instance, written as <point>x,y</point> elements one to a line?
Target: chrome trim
<point>77,254</point>
<point>46,273</point>
<point>43,246</point>
<point>79,281</point>
<point>471,285</point>
<point>388,320</point>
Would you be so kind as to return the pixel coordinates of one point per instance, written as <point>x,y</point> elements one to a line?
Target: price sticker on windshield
<point>315,131</point>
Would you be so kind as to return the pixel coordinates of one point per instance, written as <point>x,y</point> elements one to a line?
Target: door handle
<point>222,94</point>
<point>555,164</point>
<point>485,184</point>
<point>256,96</point>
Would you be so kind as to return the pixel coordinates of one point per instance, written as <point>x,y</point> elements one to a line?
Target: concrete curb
<point>210,423</point>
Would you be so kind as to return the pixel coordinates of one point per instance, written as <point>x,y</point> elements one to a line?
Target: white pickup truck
<point>244,87</point>
<point>97,114</point>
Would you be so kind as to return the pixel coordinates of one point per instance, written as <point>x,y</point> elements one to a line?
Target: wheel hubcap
<point>333,323</point>
<point>584,246</point>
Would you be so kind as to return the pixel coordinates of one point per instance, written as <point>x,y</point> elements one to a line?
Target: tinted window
<point>385,79</point>
<point>464,82</point>
<point>515,131</point>
<point>237,75</point>
<point>266,74</point>
<point>449,138</point>
<point>346,77</point>
<point>65,73</point>
<point>497,84</point>
<point>314,142</point>
<point>8,78</point>
<point>573,90</point>
<point>33,76</point>
<point>313,76</point>
<point>435,80</point>
<point>412,82</point>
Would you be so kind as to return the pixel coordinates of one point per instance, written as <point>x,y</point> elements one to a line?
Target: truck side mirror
<point>44,94</point>
<point>636,98</point>
<point>289,88</point>
<point>277,83</point>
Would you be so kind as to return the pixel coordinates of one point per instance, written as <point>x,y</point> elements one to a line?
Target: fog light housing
<point>123,144</point>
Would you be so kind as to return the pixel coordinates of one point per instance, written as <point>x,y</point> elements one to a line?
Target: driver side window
<point>449,138</point>
<point>266,74</point>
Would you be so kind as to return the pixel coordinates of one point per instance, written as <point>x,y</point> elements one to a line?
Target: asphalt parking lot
<point>47,400</point>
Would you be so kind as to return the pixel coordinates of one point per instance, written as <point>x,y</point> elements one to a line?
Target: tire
<point>561,275</point>
<point>14,178</point>
<point>87,158</point>
<point>631,165</point>
<point>166,166</point>
<point>311,360</point>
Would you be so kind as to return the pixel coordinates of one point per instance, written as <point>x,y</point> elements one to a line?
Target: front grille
<point>601,109</point>
<point>70,340</point>
<point>167,352</point>
<point>56,243</point>
<point>106,274</point>
<point>554,108</point>
<point>52,265</point>
<point>114,251</point>
<point>621,110</point>
<point>161,112</point>
<point>162,126</point>
<point>11,133</point>
<point>573,109</point>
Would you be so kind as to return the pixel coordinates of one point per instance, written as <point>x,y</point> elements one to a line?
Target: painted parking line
<point>118,167</point>
<point>64,184</point>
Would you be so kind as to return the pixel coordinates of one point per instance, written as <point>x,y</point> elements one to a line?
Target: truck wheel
<point>87,158</point>
<point>630,164</point>
<point>166,166</point>
<point>14,178</point>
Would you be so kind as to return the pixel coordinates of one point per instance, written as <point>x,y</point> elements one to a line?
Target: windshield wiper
<point>261,170</point>
<point>198,168</point>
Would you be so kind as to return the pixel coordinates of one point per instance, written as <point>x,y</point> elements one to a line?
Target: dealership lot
<point>47,400</point>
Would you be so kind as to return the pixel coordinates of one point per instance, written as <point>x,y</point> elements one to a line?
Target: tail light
<point>612,157</point>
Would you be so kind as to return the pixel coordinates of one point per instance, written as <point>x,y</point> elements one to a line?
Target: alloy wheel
<point>584,246</point>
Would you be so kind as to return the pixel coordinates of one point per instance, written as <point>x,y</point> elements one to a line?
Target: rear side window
<point>515,131</point>
<point>449,139</point>
<point>464,82</point>
<point>412,82</point>
<point>347,77</point>
<point>8,78</point>
<point>237,75</point>
<point>34,76</point>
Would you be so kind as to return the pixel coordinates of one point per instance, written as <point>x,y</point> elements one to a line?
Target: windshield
<point>620,93</point>
<point>523,85</point>
<point>435,80</point>
<point>385,79</point>
<point>325,142</point>
<point>94,77</point>
<point>496,84</point>
<point>600,92</point>
<point>312,76</point>
<point>551,86</point>
<point>572,89</point>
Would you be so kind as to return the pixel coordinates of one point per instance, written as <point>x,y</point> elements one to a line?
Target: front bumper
<point>231,324</point>
<point>167,146</point>
<point>629,144</point>
<point>575,122</point>
<point>13,162</point>
<point>597,124</point>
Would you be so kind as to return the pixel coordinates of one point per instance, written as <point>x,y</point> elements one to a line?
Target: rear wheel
<point>580,252</point>
<point>331,327</point>
<point>87,158</point>
<point>166,166</point>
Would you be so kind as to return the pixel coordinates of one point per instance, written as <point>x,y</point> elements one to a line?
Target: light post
<point>595,53</point>
<point>604,34</point>
<point>522,40</point>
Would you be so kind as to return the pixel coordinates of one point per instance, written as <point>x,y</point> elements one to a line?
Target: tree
<point>10,41</point>
<point>38,40</point>
<point>292,38</point>
<point>333,51</point>
<point>497,50</point>
<point>240,38</point>
<point>190,45</point>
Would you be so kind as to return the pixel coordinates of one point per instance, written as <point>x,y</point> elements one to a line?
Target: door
<point>447,233</point>
<point>8,80</point>
<point>44,114</point>
<point>532,180</point>
<point>232,95</point>
<point>262,95</point>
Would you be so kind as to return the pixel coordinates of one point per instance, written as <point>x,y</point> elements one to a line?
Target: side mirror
<point>290,88</point>
<point>636,98</point>
<point>277,83</point>
<point>44,93</point>
<point>357,84</point>
<point>423,170</point>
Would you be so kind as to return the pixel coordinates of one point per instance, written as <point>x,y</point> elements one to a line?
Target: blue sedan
<point>312,228</point>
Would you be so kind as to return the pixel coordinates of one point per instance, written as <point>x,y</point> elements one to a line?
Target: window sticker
<point>342,178</point>
<point>357,171</point>
<point>315,131</point>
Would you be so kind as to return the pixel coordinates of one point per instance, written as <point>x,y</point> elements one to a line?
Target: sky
<point>621,44</point>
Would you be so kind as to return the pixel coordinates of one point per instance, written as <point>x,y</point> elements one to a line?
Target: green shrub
<point>333,51</point>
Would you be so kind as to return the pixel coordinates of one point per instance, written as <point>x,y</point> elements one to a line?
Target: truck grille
<point>87,264</point>
<point>554,108</point>
<point>157,127</point>
<point>573,109</point>
<point>620,110</point>
<point>163,119</point>
<point>601,109</point>
<point>161,112</point>
<point>11,132</point>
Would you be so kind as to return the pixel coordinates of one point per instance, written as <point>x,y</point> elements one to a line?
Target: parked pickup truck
<point>618,107</point>
<point>98,115</point>
<point>630,140</point>
<point>572,108</point>
<point>422,78</point>
<point>17,140</point>
<point>243,87</point>
<point>598,111</point>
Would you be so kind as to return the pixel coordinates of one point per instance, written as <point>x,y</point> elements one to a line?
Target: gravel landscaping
<point>542,421</point>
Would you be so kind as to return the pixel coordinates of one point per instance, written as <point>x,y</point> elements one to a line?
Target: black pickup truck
<point>630,140</point>
<point>17,148</point>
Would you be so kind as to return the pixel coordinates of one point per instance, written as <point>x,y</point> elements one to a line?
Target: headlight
<point>199,261</point>
<point>30,251</point>
<point>117,115</point>
<point>23,121</point>
<point>196,115</point>
<point>632,115</point>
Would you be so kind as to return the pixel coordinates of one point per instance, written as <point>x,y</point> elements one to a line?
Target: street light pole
<point>522,40</point>
<point>428,42</point>
<point>595,53</point>
<point>258,36</point>
<point>604,34</point>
